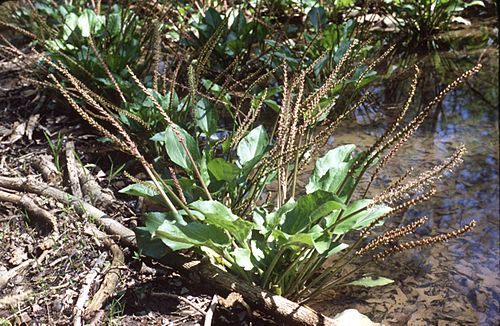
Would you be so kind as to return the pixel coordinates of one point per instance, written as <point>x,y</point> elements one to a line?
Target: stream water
<point>455,283</point>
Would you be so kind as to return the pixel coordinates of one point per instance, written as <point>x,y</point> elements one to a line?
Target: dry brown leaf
<point>31,124</point>
<point>18,255</point>
<point>427,298</point>
<point>400,296</point>
<point>12,300</point>
<point>18,130</point>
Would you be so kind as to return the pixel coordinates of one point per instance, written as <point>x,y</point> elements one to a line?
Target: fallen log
<point>286,311</point>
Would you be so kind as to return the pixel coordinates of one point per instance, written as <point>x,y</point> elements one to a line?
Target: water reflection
<point>455,283</point>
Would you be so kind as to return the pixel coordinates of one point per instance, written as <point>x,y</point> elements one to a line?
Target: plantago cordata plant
<point>231,193</point>
<point>214,197</point>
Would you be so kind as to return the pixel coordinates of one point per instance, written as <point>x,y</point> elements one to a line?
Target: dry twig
<point>72,170</point>
<point>210,312</point>
<point>84,292</point>
<point>111,279</point>
<point>35,212</point>
<point>179,298</point>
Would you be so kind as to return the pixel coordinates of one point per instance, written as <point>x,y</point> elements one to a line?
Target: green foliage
<point>56,149</point>
<point>252,146</point>
<point>174,148</point>
<point>422,19</point>
<point>96,48</point>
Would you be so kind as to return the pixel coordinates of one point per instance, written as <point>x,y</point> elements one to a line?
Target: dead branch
<point>46,167</point>
<point>13,300</point>
<point>93,192</point>
<point>210,312</point>
<point>84,292</point>
<point>82,183</point>
<point>111,279</point>
<point>35,212</point>
<point>178,298</point>
<point>5,277</point>
<point>72,170</point>
<point>288,312</point>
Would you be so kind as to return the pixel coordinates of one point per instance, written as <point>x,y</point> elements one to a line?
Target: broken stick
<point>35,212</point>
<point>111,279</point>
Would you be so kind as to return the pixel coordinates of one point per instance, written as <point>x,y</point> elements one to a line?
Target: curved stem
<point>268,272</point>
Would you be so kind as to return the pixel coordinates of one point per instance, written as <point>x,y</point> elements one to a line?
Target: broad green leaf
<point>70,23</point>
<point>173,240</point>
<point>333,157</point>
<point>178,236</point>
<point>217,214</point>
<point>175,151</point>
<point>276,217</point>
<point>189,187</point>
<point>331,181</point>
<point>330,170</point>
<point>203,167</point>
<point>317,17</point>
<point>153,220</point>
<point>301,216</point>
<point>223,170</point>
<point>257,252</point>
<point>326,209</point>
<point>358,215</point>
<point>252,146</point>
<point>212,18</point>
<point>273,105</point>
<point>279,237</point>
<point>170,102</point>
<point>330,248</point>
<point>243,258</point>
<point>343,46</point>
<point>167,102</point>
<point>147,190</point>
<point>259,217</point>
<point>114,23</point>
<point>304,238</point>
<point>238,21</point>
<point>297,239</point>
<point>371,281</point>
<point>206,118</point>
<point>141,190</point>
<point>58,45</point>
<point>89,22</point>
<point>152,247</point>
<point>322,243</point>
